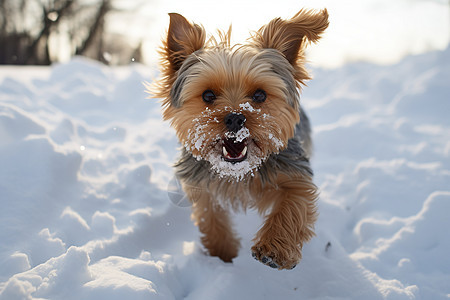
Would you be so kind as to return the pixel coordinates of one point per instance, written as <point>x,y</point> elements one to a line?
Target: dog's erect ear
<point>291,36</point>
<point>183,38</point>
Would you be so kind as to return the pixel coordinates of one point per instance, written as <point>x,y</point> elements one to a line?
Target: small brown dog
<point>246,140</point>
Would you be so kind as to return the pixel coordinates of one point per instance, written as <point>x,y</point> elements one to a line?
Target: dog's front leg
<point>214,223</point>
<point>290,223</point>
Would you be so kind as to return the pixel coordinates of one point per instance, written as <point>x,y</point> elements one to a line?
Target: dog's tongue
<point>234,149</point>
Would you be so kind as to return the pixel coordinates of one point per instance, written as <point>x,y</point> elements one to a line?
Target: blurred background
<point>119,32</point>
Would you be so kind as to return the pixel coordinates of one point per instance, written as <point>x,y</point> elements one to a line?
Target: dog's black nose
<point>234,121</point>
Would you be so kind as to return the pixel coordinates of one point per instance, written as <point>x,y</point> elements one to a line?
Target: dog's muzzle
<point>234,150</point>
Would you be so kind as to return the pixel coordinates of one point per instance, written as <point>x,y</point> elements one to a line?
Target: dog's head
<point>235,105</point>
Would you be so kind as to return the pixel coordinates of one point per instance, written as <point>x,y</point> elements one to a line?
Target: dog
<point>246,141</point>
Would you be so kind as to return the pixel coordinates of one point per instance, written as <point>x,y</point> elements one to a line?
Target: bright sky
<point>381,31</point>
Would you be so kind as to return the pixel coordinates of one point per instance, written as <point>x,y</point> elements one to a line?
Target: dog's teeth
<point>225,152</point>
<point>244,151</point>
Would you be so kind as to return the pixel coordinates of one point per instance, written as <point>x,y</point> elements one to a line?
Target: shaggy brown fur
<point>274,176</point>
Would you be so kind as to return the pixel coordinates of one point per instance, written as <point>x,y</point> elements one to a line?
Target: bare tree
<point>95,31</point>
<point>26,27</point>
<point>51,15</point>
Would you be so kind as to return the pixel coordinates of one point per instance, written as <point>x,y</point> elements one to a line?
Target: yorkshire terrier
<point>245,138</point>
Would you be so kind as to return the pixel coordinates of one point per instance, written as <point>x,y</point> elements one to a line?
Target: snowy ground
<point>85,214</point>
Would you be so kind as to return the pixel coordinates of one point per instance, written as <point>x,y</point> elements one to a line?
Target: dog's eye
<point>209,96</point>
<point>259,96</point>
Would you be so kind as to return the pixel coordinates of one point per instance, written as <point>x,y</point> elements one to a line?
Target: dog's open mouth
<point>234,151</point>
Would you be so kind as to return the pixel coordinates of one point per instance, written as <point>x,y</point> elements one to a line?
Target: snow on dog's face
<point>234,106</point>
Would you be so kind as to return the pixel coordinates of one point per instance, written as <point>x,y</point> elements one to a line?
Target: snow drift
<point>85,211</point>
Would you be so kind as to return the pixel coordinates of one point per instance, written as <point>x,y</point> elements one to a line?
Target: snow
<point>248,107</point>
<point>240,135</point>
<point>89,209</point>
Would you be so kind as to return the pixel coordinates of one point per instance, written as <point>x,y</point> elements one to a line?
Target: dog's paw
<point>271,258</point>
